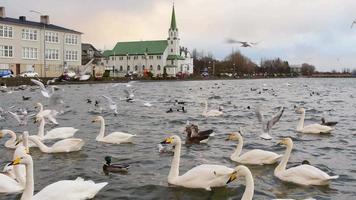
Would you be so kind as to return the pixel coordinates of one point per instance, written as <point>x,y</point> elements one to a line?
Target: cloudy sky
<point>313,31</point>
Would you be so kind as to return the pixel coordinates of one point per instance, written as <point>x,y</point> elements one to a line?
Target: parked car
<point>5,73</point>
<point>28,74</point>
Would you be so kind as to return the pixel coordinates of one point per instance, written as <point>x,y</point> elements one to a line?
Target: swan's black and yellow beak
<point>282,142</point>
<point>17,141</point>
<point>17,161</point>
<point>168,141</point>
<point>93,121</point>
<point>233,177</point>
<point>1,134</point>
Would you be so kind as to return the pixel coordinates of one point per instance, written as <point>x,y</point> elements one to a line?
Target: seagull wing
<point>39,83</point>
<point>232,41</point>
<point>14,115</point>
<point>275,118</point>
<point>127,93</point>
<point>109,99</point>
<point>259,114</point>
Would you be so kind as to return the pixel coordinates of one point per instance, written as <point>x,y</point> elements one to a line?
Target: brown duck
<point>194,136</point>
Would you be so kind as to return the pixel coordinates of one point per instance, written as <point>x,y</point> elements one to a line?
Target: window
<point>52,54</point>
<point>143,68</point>
<point>128,58</point>
<point>171,50</point>
<point>6,51</point>
<point>143,57</point>
<point>71,39</point>
<point>159,67</point>
<point>71,55</point>
<point>171,42</point>
<point>6,31</point>
<point>29,34</point>
<point>136,68</point>
<point>29,53</point>
<point>135,57</point>
<point>128,68</point>
<point>150,57</point>
<point>172,62</point>
<point>121,58</point>
<point>159,57</point>
<point>112,58</point>
<point>52,37</point>
<point>151,68</point>
<point>121,69</point>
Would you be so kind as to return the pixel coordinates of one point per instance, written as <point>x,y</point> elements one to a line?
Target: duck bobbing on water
<point>196,136</point>
<point>325,123</point>
<point>114,168</point>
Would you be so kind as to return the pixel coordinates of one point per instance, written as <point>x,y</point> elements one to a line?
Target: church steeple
<point>173,20</point>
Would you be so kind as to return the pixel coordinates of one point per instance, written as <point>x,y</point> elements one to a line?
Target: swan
<point>62,146</point>
<point>302,174</point>
<point>113,138</point>
<point>211,113</point>
<point>312,128</point>
<point>56,133</point>
<point>9,185</point>
<point>202,176</point>
<point>66,189</point>
<point>268,124</point>
<point>250,186</point>
<point>22,149</point>
<point>12,142</point>
<point>49,114</point>
<point>253,157</point>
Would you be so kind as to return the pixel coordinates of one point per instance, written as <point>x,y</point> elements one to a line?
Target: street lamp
<point>44,42</point>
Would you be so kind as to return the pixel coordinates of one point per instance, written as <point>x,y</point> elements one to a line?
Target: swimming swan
<point>113,138</point>
<point>302,174</point>
<point>202,176</point>
<point>312,128</point>
<point>56,133</point>
<point>66,189</point>
<point>250,186</point>
<point>62,146</point>
<point>211,113</point>
<point>12,142</point>
<point>253,157</point>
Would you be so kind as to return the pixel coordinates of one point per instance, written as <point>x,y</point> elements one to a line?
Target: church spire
<point>173,20</point>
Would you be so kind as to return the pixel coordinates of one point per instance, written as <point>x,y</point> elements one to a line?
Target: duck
<point>312,128</point>
<point>202,176</point>
<point>77,189</point>
<point>62,146</point>
<point>211,113</point>
<point>268,124</point>
<point>114,168</point>
<point>56,133</point>
<point>324,123</point>
<point>12,142</point>
<point>194,136</point>
<point>245,172</point>
<point>25,98</point>
<point>113,138</point>
<point>304,174</point>
<point>252,157</point>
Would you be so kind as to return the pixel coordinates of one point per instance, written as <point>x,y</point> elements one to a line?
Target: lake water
<point>147,177</point>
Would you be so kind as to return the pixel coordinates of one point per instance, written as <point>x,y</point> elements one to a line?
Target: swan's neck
<point>301,122</point>
<point>41,128</point>
<point>238,150</point>
<point>29,187</point>
<point>283,164</point>
<point>102,130</point>
<point>41,107</point>
<point>250,187</point>
<point>174,172</point>
<point>13,138</point>
<point>40,144</point>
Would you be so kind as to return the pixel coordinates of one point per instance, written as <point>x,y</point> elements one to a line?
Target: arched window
<point>121,69</point>
<point>136,68</point>
<point>159,67</point>
<point>128,68</point>
<point>151,68</point>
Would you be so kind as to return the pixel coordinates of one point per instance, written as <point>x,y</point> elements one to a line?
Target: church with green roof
<point>159,57</point>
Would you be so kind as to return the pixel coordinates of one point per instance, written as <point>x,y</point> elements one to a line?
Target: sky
<point>312,31</point>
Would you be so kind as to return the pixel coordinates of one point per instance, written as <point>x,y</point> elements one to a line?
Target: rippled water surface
<point>147,177</point>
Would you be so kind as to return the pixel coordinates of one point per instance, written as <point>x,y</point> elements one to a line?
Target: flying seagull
<point>353,23</point>
<point>112,104</point>
<point>267,124</point>
<point>243,44</point>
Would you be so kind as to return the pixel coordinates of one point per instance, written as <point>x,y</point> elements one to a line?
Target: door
<point>17,69</point>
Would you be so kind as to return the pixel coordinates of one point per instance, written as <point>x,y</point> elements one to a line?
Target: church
<point>156,58</point>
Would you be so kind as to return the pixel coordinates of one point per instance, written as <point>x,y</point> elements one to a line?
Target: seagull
<point>267,124</point>
<point>129,95</point>
<point>243,44</point>
<point>112,104</point>
<point>45,92</point>
<point>21,116</point>
<point>52,81</point>
<point>353,23</point>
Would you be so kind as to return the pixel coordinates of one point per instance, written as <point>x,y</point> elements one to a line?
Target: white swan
<point>66,189</point>
<point>253,157</point>
<point>22,149</point>
<point>250,186</point>
<point>312,128</point>
<point>56,133</point>
<point>62,146</point>
<point>8,185</point>
<point>211,113</point>
<point>49,114</point>
<point>11,143</point>
<point>113,138</point>
<point>202,176</point>
<point>302,174</point>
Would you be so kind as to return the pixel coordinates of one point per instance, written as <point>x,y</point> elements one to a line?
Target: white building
<point>157,57</point>
<point>24,44</point>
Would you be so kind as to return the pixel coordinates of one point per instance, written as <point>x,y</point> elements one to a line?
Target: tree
<point>307,69</point>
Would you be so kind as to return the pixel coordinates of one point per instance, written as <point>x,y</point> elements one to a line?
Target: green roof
<point>175,57</point>
<point>139,48</point>
<point>106,53</point>
<point>173,20</point>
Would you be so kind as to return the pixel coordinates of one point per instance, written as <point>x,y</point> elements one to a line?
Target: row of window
<point>32,35</point>
<point>136,68</point>
<point>33,53</point>
<point>136,57</point>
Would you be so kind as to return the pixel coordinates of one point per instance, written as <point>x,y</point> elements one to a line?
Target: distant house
<point>90,52</point>
<point>296,69</point>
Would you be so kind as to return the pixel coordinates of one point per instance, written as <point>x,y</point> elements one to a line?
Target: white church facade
<point>157,57</point>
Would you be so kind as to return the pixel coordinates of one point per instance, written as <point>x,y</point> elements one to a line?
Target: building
<point>24,44</point>
<point>157,57</point>
<point>90,52</point>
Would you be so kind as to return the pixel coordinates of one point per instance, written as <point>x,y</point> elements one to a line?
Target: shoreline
<point>18,81</point>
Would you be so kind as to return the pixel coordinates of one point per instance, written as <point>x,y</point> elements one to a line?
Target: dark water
<point>147,177</point>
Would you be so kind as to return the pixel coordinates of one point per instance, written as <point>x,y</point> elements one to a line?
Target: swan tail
<point>333,177</point>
